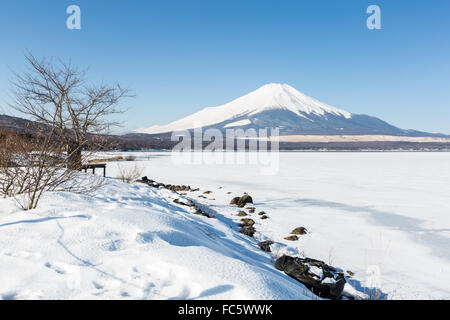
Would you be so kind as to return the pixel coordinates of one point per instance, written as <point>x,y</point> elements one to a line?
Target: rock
<point>147,181</point>
<point>261,213</point>
<point>194,190</point>
<point>350,273</point>
<point>300,231</point>
<point>265,245</point>
<point>241,201</point>
<point>246,222</point>
<point>242,214</point>
<point>244,200</point>
<point>207,192</point>
<point>229,192</point>
<point>322,279</point>
<point>248,231</point>
<point>291,238</point>
<point>251,210</point>
<point>264,217</point>
<point>235,200</point>
<point>200,212</point>
<point>189,204</point>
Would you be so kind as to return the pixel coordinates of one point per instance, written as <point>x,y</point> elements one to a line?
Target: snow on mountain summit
<point>283,96</point>
<point>271,96</point>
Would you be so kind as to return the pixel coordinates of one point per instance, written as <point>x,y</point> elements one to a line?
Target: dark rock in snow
<point>261,213</point>
<point>300,231</point>
<point>291,238</point>
<point>322,279</point>
<point>235,200</point>
<point>148,181</point>
<point>242,214</point>
<point>174,188</point>
<point>246,222</point>
<point>248,231</point>
<point>200,212</point>
<point>189,203</point>
<point>241,201</point>
<point>264,217</point>
<point>244,200</point>
<point>265,245</point>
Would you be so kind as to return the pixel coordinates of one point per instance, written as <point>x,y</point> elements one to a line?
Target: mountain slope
<point>281,106</point>
<point>14,123</point>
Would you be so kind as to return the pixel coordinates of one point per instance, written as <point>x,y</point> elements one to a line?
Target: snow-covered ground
<point>130,242</point>
<point>383,216</point>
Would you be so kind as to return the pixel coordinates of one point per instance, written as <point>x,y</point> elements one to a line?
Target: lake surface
<point>383,215</point>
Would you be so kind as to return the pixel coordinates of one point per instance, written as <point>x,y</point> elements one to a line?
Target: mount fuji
<point>281,106</point>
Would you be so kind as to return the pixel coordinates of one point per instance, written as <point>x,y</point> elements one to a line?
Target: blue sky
<point>181,56</point>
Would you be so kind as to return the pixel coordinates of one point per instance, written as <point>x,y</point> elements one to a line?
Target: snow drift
<point>130,242</point>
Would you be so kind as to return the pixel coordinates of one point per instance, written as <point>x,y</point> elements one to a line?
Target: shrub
<point>129,174</point>
<point>33,165</point>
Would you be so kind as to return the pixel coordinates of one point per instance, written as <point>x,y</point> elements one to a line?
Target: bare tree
<point>70,116</point>
<point>31,165</point>
<point>129,174</point>
<point>6,161</point>
<point>58,96</point>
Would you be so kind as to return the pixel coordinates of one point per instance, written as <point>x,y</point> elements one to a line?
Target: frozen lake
<point>383,215</point>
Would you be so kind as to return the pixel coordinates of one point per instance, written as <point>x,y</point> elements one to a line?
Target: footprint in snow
<point>12,295</point>
<point>57,268</point>
<point>97,285</point>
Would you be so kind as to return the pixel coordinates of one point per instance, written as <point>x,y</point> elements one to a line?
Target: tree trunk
<point>74,157</point>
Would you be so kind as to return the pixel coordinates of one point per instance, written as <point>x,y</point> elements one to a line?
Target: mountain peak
<point>269,97</point>
<point>274,86</point>
<point>283,96</point>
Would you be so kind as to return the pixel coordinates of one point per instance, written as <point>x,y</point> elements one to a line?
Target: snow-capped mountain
<point>281,106</point>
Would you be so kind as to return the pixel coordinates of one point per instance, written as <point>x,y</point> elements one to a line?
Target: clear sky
<point>181,56</point>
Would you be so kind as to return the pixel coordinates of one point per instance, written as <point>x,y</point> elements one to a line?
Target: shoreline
<point>324,281</point>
